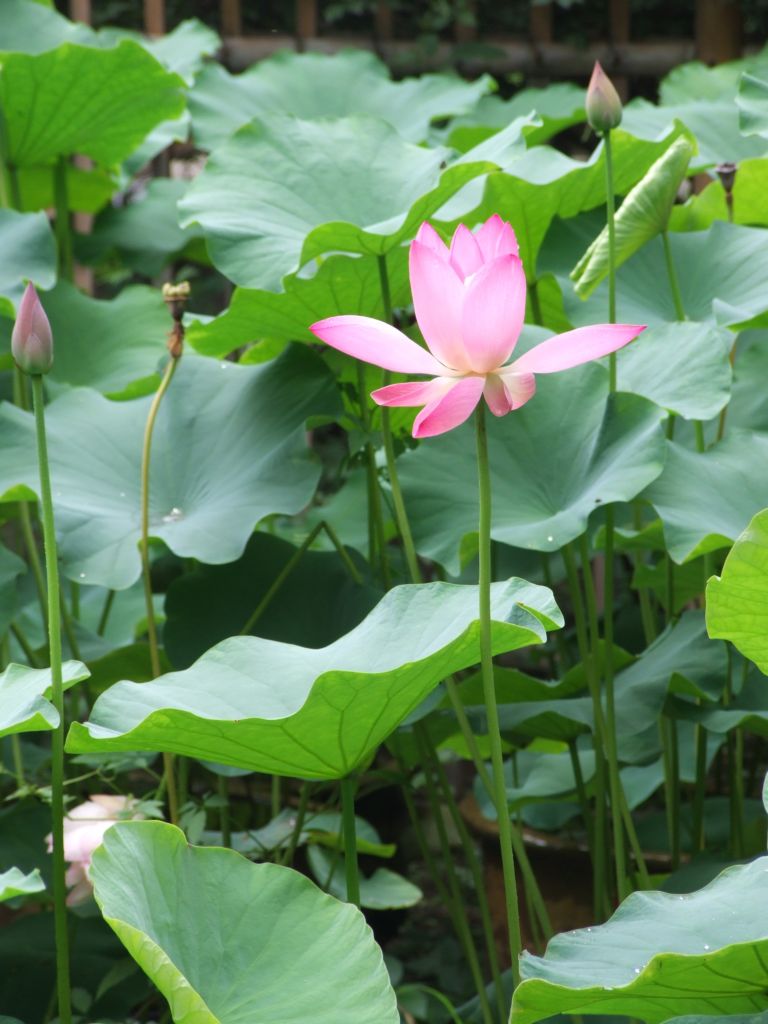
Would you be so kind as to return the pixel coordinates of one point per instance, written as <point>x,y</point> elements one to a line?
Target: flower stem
<point>674,284</point>
<point>610,210</point>
<point>57,736</point>
<point>154,650</point>
<point>224,815</point>
<point>489,694</point>
<point>401,517</point>
<point>447,884</point>
<point>599,879</point>
<point>348,787</point>
<point>62,225</point>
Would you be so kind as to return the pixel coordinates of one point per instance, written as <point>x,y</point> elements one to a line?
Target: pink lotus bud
<point>603,105</point>
<point>31,340</point>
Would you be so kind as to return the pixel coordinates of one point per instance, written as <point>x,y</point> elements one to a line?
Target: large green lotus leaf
<point>24,696</point>
<point>182,50</point>
<point>697,81</point>
<point>145,232</point>
<point>750,201</point>
<point>27,250</point>
<point>558,106</point>
<point>31,27</point>
<point>722,274</point>
<point>230,942</point>
<point>705,499</point>
<point>543,184</point>
<point>737,600</point>
<point>713,124</point>
<point>568,451</point>
<point>752,101</point>
<point>318,602</point>
<point>342,285</point>
<point>282,191</point>
<point>107,344</point>
<point>314,85</point>
<point>16,883</point>
<point>79,99</point>
<point>315,713</point>
<point>683,367</point>
<point>659,954</point>
<point>643,215</point>
<point>229,448</point>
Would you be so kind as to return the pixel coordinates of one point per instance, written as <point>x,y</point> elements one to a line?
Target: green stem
<point>25,521</point>
<point>533,294</point>
<point>599,874</point>
<point>224,817</point>
<point>401,517</point>
<point>275,795</point>
<point>608,728</point>
<point>63,226</point>
<point>18,760</point>
<point>280,579</point>
<point>674,285</point>
<point>105,611</point>
<point>489,695</point>
<point>348,787</point>
<point>298,825</point>
<point>57,697</point>
<point>431,759</point>
<point>697,836</point>
<point>536,905</point>
<point>376,535</point>
<point>343,553</point>
<point>670,726</point>
<point>154,649</point>
<point>455,901</point>
<point>581,791</point>
<point>25,645</point>
<point>610,209</point>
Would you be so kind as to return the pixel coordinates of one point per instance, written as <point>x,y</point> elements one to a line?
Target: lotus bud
<point>31,340</point>
<point>603,105</point>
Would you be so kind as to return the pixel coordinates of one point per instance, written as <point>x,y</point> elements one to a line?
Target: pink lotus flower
<point>469,302</point>
<point>84,829</point>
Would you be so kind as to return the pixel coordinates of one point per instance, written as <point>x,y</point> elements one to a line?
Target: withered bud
<point>31,339</point>
<point>726,172</point>
<point>175,297</point>
<point>604,109</point>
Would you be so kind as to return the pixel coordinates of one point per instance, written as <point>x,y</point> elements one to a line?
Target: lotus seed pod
<point>603,105</point>
<point>31,340</point>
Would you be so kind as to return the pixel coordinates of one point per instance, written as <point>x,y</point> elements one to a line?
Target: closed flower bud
<point>31,340</point>
<point>603,105</point>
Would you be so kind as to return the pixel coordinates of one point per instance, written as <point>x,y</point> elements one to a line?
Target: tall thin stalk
<point>489,694</point>
<point>57,697</point>
<point>175,296</point>
<point>348,788</point>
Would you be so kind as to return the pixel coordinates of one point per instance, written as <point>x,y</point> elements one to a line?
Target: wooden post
<point>620,21</point>
<point>383,20</point>
<point>231,18</point>
<point>465,29</point>
<point>80,10</point>
<point>306,22</point>
<point>718,30</point>
<point>540,26</point>
<point>154,17</point>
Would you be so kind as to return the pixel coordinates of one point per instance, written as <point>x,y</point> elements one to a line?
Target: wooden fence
<point>716,36</point>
